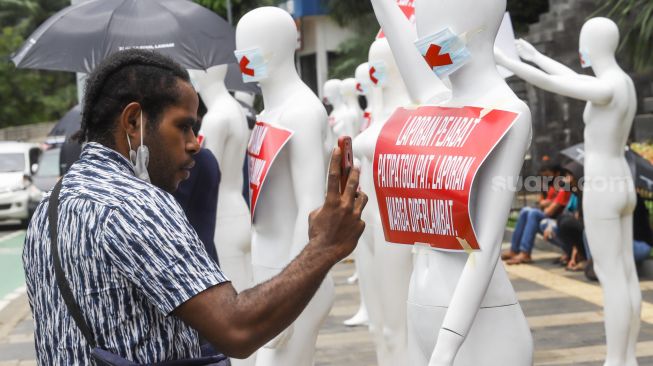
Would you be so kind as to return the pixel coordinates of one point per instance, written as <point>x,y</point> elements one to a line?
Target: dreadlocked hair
<point>141,76</point>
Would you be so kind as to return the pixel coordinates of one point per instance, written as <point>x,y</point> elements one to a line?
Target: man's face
<point>173,143</point>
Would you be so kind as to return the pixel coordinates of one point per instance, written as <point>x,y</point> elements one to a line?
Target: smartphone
<point>347,162</point>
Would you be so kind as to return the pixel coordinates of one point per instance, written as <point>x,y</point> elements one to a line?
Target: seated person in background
<point>567,230</point>
<point>642,238</point>
<point>528,224</point>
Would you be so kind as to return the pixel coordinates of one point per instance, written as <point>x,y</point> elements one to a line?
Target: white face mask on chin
<point>140,158</point>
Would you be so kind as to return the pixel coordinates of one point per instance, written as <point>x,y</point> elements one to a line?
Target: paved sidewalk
<point>563,310</point>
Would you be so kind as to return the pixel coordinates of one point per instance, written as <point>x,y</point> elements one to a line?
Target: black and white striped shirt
<point>131,258</point>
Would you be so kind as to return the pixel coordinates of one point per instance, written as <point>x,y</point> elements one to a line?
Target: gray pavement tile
<point>17,351</point>
<point>647,296</point>
<point>556,305</point>
<point>24,327</point>
<point>520,284</point>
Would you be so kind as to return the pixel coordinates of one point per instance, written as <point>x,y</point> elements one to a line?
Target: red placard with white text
<point>264,145</point>
<point>408,9</point>
<point>424,165</point>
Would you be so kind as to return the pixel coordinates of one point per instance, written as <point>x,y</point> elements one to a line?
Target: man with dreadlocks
<point>136,268</point>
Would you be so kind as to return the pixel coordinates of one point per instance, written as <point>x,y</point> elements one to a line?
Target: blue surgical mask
<point>140,158</point>
<point>585,60</point>
<point>444,51</point>
<point>378,73</point>
<point>253,65</point>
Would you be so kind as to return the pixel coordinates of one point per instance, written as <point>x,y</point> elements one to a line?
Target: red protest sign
<point>424,165</point>
<point>408,9</point>
<point>264,145</point>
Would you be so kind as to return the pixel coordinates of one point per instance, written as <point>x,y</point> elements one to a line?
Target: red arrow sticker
<point>372,72</point>
<point>243,66</point>
<point>435,59</point>
<point>358,87</point>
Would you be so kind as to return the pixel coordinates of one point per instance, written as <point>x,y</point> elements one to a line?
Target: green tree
<point>238,7</point>
<point>635,20</point>
<point>30,96</point>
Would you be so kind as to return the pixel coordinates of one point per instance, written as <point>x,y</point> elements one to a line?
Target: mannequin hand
<point>526,50</point>
<point>337,225</point>
<point>281,339</point>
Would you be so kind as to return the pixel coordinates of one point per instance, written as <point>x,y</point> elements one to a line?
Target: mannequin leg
<point>633,288</point>
<point>361,317</point>
<point>608,245</point>
<point>299,349</point>
<point>394,265</point>
<point>368,284</point>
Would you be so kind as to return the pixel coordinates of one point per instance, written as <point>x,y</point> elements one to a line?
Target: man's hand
<point>238,324</point>
<point>337,225</point>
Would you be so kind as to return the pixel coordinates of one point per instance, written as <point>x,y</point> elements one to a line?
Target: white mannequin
<point>341,118</point>
<point>350,96</point>
<point>295,182</point>
<point>370,93</point>
<point>226,134</point>
<point>462,310</point>
<point>608,208</point>
<point>363,253</point>
<point>331,92</point>
<point>391,264</point>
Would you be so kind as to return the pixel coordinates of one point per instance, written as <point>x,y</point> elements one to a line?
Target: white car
<point>18,160</point>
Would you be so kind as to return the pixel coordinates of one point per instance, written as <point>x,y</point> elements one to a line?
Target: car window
<point>12,162</point>
<point>49,164</point>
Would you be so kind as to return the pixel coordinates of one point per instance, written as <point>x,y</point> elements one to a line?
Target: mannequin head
<point>380,51</point>
<point>331,92</point>
<point>273,31</point>
<point>599,38</point>
<point>480,20</point>
<point>348,88</point>
<point>362,76</point>
<point>203,79</point>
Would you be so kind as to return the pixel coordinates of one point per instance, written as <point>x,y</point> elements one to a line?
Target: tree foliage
<point>238,7</point>
<point>30,96</point>
<point>635,20</point>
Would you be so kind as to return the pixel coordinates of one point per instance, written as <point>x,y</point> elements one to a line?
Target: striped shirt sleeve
<point>153,245</point>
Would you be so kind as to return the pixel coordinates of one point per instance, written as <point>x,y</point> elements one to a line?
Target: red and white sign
<point>264,145</point>
<point>408,8</point>
<point>424,165</point>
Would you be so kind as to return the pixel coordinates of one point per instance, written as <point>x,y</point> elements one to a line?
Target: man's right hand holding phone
<point>337,225</point>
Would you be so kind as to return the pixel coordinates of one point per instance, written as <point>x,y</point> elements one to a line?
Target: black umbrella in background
<point>69,123</point>
<point>80,36</point>
<point>641,169</point>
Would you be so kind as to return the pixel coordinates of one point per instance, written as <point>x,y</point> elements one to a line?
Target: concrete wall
<point>33,133</point>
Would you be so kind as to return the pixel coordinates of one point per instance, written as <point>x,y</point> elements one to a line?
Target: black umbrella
<point>80,36</point>
<point>69,123</point>
<point>641,168</point>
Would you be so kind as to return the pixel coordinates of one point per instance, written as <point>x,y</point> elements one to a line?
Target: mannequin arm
<point>581,87</point>
<point>307,168</point>
<point>422,84</point>
<point>529,53</point>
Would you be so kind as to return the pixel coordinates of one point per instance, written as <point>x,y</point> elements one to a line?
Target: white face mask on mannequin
<point>140,158</point>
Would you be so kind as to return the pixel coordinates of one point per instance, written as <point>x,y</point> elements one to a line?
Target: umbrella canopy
<point>80,36</point>
<point>641,169</point>
<point>69,123</point>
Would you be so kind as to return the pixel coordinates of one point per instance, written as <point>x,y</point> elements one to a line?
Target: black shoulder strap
<point>62,283</point>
